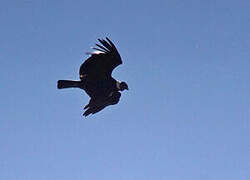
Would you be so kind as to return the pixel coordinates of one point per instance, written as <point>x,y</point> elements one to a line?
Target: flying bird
<point>96,77</point>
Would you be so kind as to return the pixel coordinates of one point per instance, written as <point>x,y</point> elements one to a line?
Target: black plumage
<point>96,77</point>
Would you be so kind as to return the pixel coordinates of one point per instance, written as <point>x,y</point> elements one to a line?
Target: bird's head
<point>123,86</point>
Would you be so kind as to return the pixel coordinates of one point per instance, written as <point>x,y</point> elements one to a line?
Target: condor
<point>96,77</point>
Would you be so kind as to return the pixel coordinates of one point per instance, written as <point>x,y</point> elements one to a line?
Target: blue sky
<point>185,117</point>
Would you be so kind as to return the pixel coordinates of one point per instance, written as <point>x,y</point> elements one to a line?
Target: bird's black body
<point>96,79</point>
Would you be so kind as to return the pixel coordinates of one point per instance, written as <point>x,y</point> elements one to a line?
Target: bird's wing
<point>96,105</point>
<point>102,61</point>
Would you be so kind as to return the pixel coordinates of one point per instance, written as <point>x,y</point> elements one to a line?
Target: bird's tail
<point>67,84</point>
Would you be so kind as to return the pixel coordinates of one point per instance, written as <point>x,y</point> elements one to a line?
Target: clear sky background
<point>185,117</point>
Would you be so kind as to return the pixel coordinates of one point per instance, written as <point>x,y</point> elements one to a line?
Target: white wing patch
<point>94,52</point>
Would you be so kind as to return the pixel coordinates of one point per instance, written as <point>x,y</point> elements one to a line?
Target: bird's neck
<point>118,85</point>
